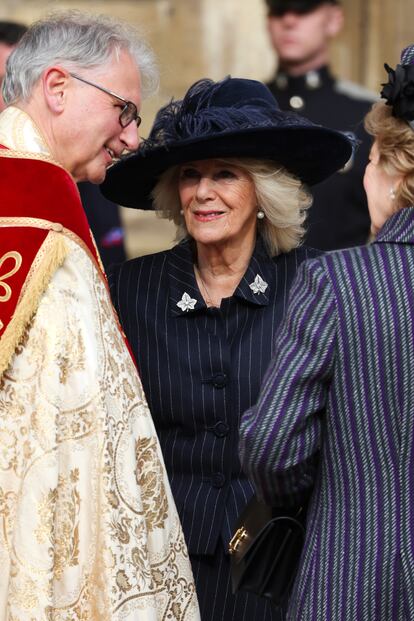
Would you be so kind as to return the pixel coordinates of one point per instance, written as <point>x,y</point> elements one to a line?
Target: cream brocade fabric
<point>88,525</point>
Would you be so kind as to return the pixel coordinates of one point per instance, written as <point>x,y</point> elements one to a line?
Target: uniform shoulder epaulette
<point>355,91</point>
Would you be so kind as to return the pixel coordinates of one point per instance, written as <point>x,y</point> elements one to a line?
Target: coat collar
<point>184,295</point>
<point>19,133</point>
<point>399,229</point>
<point>49,197</point>
<point>309,81</point>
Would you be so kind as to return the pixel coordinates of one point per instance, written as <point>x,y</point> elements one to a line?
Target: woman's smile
<point>207,216</point>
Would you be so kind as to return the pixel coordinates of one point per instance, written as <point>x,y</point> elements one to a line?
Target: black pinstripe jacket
<point>201,368</point>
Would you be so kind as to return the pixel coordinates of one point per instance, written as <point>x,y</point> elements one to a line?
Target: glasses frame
<point>129,108</point>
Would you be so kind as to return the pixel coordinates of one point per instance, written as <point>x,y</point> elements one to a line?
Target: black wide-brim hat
<point>234,118</point>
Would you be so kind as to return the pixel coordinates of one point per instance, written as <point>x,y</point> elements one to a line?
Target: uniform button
<point>313,79</point>
<point>218,479</point>
<point>296,102</point>
<point>221,429</point>
<point>219,380</point>
<point>281,81</point>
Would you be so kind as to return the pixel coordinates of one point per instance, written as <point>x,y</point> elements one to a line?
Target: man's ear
<point>336,21</point>
<point>55,84</point>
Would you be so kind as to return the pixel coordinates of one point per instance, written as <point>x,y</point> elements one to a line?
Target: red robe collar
<point>36,197</point>
<point>39,190</point>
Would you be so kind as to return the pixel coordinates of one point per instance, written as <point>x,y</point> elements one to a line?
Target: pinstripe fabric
<point>200,369</point>
<point>341,386</point>
<point>212,577</point>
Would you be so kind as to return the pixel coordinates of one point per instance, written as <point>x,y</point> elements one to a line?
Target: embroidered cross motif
<point>186,303</point>
<point>18,259</point>
<point>258,285</point>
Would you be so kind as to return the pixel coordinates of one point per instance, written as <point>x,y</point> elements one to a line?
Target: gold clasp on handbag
<point>239,535</point>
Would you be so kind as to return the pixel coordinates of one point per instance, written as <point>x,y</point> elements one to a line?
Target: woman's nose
<point>205,188</point>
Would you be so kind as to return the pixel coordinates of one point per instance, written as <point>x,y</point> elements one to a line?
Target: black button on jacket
<point>201,368</point>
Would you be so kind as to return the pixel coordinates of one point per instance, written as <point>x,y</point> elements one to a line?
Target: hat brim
<point>311,153</point>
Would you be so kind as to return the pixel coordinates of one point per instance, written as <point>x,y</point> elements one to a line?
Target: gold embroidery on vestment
<point>7,505</point>
<point>39,223</point>
<point>72,355</point>
<point>62,534</point>
<point>149,478</point>
<point>26,155</point>
<point>18,260</point>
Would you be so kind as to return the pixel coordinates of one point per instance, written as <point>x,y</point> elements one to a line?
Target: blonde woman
<point>228,167</point>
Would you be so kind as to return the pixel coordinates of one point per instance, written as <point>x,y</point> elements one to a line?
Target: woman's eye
<point>225,174</point>
<point>189,173</point>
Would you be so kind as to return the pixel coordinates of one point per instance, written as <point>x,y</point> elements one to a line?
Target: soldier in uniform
<point>300,32</point>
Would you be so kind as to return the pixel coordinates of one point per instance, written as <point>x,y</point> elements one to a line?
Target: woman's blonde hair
<point>280,195</point>
<point>395,141</point>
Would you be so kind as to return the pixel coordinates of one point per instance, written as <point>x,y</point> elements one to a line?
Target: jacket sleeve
<point>281,435</point>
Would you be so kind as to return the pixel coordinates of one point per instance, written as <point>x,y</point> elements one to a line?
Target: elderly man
<point>89,529</point>
<point>103,216</point>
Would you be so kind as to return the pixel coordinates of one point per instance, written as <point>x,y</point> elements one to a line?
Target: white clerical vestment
<point>88,526</point>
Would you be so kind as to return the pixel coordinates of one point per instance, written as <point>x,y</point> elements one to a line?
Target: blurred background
<point>214,38</point>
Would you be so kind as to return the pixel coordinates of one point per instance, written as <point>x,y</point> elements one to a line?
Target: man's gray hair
<point>74,40</point>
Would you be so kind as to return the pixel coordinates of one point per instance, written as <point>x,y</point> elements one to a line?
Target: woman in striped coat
<point>201,317</point>
<point>335,412</point>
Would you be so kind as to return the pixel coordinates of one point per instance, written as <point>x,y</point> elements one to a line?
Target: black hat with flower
<point>399,91</point>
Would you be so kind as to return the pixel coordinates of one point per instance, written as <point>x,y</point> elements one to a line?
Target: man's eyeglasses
<point>129,112</point>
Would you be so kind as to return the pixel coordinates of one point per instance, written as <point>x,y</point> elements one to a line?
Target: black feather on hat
<point>232,118</point>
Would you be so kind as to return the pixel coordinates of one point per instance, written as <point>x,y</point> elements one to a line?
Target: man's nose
<point>290,18</point>
<point>130,137</point>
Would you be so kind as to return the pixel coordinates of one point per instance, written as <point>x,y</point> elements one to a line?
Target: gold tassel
<point>49,258</point>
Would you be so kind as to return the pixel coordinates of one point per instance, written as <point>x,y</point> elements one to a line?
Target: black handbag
<point>265,550</point>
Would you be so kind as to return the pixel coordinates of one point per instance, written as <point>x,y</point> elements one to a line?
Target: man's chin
<point>96,177</point>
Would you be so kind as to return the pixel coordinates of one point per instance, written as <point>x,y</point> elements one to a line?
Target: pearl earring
<point>260,214</point>
<point>392,194</point>
<point>181,212</point>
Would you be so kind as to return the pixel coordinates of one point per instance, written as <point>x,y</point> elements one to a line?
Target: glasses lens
<point>129,113</point>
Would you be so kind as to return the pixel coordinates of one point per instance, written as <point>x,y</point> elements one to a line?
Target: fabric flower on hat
<point>399,91</point>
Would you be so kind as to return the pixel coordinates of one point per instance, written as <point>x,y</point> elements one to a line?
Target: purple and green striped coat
<point>336,413</point>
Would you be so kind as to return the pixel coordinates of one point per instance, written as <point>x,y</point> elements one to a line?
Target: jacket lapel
<point>185,296</point>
